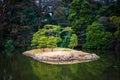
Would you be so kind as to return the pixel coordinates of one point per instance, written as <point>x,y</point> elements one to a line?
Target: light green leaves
<point>73,41</point>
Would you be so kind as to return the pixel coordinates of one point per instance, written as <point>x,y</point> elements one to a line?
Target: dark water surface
<point>20,67</point>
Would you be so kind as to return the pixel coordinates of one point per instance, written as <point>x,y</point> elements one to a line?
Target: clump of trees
<point>97,26</point>
<point>47,37</point>
<point>50,36</point>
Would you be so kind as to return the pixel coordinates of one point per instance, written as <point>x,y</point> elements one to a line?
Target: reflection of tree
<point>83,71</point>
<point>44,71</point>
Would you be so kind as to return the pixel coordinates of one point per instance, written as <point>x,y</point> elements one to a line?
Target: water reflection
<point>20,67</point>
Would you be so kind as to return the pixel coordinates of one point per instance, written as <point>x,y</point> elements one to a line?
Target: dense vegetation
<point>50,36</point>
<point>72,23</point>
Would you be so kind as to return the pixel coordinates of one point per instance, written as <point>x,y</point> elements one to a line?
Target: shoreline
<point>65,62</point>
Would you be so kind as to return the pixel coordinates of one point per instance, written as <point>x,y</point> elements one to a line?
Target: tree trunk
<point>43,50</point>
<point>52,49</point>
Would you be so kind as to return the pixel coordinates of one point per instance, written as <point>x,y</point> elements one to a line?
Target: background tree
<point>97,37</point>
<point>18,18</point>
<point>116,22</point>
<point>80,17</point>
<point>73,41</point>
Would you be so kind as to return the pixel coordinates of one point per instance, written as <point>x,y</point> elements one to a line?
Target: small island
<point>61,56</point>
<point>54,48</point>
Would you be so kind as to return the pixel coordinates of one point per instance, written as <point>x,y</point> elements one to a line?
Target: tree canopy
<point>97,37</point>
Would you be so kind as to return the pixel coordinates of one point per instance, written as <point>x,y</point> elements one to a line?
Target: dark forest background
<point>96,23</point>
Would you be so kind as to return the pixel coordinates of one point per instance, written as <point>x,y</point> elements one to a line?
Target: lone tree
<point>42,42</point>
<point>52,42</point>
<point>73,41</point>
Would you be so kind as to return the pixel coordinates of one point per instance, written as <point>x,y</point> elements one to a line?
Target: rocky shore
<point>62,56</point>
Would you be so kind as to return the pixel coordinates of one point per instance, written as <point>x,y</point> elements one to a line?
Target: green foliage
<point>47,30</point>
<point>73,41</point>
<point>97,37</point>
<point>67,29</point>
<point>30,17</point>
<point>117,34</point>
<point>48,36</point>
<point>59,40</point>
<point>52,30</point>
<point>52,42</point>
<point>103,11</point>
<point>80,17</point>
<point>56,36</point>
<point>18,23</point>
<point>116,21</point>
<point>80,14</point>
<point>66,40</point>
<point>111,9</point>
<point>36,37</point>
<point>42,42</point>
<point>9,47</point>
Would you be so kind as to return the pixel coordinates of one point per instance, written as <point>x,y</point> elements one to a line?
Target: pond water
<point>20,67</point>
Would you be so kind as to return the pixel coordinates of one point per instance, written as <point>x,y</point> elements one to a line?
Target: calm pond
<point>20,67</point>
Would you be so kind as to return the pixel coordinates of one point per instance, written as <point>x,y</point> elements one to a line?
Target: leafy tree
<point>80,17</point>
<point>73,41</point>
<point>36,36</point>
<point>66,40</point>
<point>66,35</point>
<point>116,21</point>
<point>97,37</point>
<point>42,42</point>
<point>52,42</point>
<point>47,30</point>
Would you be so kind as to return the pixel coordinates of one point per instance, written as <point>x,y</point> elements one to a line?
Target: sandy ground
<point>62,56</point>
